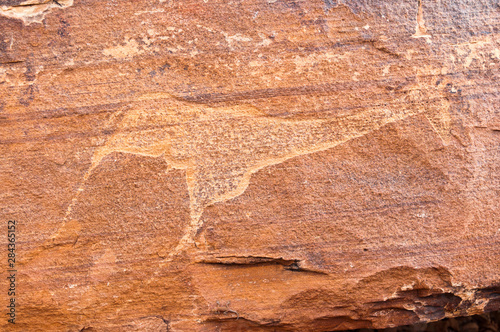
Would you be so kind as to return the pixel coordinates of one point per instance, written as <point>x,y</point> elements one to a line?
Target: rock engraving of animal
<point>220,147</point>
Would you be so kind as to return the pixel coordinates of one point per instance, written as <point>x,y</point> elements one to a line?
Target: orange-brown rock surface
<point>264,165</point>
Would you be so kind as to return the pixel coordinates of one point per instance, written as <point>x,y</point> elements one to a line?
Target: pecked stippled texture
<point>254,165</point>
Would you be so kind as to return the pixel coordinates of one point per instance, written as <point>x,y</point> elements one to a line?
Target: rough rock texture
<point>278,165</point>
<point>488,322</point>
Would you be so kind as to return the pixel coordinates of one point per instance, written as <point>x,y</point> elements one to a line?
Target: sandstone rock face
<point>264,165</point>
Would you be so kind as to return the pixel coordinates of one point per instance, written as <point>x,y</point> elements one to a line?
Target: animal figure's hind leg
<point>96,159</point>
<point>151,143</point>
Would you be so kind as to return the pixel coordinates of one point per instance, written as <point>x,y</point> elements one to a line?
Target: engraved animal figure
<point>220,147</point>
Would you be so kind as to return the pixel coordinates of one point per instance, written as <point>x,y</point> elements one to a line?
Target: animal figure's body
<point>220,147</point>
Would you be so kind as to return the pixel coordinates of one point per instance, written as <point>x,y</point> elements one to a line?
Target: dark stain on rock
<point>63,28</point>
<point>30,72</point>
<point>28,95</point>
